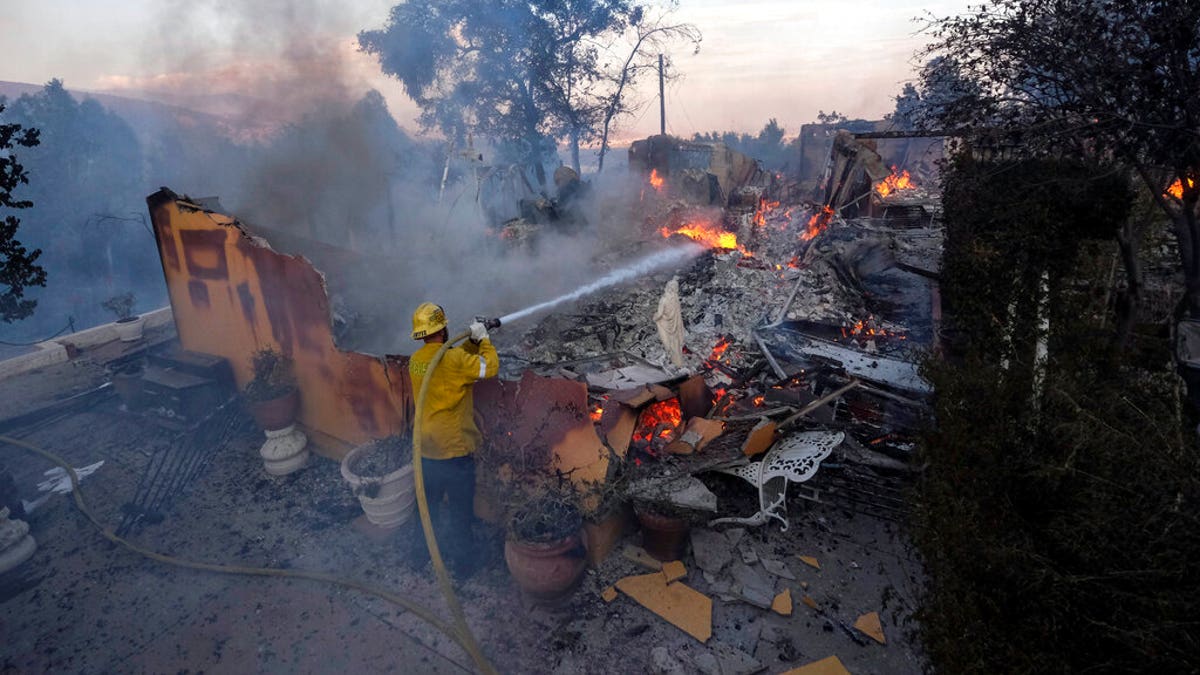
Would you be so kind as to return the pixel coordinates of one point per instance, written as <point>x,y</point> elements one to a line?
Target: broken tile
<point>782,604</point>
<point>673,571</point>
<point>733,661</point>
<point>869,624</point>
<point>757,597</point>
<point>778,568</point>
<point>685,492</point>
<point>695,398</point>
<point>711,550</point>
<point>698,433</point>
<point>634,398</point>
<point>830,665</point>
<point>810,561</point>
<point>638,555</point>
<point>761,437</point>
<point>617,422</point>
<point>678,603</point>
<point>750,576</point>
<point>609,594</point>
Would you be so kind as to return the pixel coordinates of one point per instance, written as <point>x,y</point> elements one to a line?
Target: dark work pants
<point>454,480</point>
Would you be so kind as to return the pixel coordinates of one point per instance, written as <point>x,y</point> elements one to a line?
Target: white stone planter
<point>16,544</point>
<point>130,330</point>
<point>285,451</point>
<point>388,501</point>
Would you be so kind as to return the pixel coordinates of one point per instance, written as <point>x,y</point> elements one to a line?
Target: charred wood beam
<point>770,358</point>
<point>837,393</point>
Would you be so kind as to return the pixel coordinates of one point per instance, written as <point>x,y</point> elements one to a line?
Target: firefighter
<point>449,436</point>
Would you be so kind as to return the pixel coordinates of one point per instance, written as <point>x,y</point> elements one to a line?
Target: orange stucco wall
<point>232,294</point>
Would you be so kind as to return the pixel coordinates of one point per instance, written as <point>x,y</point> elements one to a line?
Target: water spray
<point>671,256</point>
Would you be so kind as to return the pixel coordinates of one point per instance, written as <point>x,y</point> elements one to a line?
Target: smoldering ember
<point>513,393</point>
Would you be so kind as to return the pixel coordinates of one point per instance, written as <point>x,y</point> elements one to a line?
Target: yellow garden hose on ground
<point>464,636</point>
<point>459,632</point>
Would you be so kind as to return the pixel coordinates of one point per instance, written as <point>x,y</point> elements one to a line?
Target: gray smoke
<point>335,171</point>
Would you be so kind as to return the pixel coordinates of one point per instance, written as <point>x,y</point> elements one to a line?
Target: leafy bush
<point>120,305</point>
<point>1057,521</point>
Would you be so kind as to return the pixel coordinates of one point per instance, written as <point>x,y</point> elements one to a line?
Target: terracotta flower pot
<point>663,537</point>
<point>546,572</point>
<point>277,413</point>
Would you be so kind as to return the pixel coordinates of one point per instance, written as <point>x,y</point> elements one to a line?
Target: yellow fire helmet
<point>428,320</point>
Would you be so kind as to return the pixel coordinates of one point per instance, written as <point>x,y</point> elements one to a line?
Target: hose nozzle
<point>489,323</point>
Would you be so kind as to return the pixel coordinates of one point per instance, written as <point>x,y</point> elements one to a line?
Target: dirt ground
<point>82,604</point>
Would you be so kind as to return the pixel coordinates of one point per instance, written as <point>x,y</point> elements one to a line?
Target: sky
<point>759,59</point>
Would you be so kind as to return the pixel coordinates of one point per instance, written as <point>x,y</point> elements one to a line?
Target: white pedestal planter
<point>285,451</point>
<point>130,330</point>
<point>388,501</point>
<point>16,544</point>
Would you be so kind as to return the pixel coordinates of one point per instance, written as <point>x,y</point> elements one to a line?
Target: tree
<point>647,39</point>
<point>18,266</point>
<point>524,74</point>
<point>1115,79</point>
<point>831,117</point>
<point>943,91</point>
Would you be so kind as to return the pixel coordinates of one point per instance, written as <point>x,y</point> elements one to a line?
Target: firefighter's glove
<point>478,332</point>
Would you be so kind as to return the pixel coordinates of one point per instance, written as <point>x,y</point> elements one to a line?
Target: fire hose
<point>459,631</point>
<point>464,636</point>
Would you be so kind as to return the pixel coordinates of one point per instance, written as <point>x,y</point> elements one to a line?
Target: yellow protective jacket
<point>448,418</point>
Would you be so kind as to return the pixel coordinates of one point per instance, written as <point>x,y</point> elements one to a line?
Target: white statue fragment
<point>669,319</point>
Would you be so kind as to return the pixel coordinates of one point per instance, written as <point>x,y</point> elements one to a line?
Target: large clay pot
<point>546,572</point>
<point>663,537</point>
<point>388,501</point>
<point>277,413</point>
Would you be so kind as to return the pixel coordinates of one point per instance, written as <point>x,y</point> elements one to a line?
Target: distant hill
<point>150,119</point>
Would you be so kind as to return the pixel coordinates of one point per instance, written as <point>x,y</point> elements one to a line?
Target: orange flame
<point>708,235</point>
<point>719,349</point>
<point>659,420</point>
<point>895,183</point>
<point>759,400</point>
<point>818,223</point>
<point>764,207</point>
<point>868,329</point>
<point>1176,189</point>
<point>656,181</point>
<point>597,412</point>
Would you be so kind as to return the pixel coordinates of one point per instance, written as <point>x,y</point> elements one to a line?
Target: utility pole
<point>662,101</point>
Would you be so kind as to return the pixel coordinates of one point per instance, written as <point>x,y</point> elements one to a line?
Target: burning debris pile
<point>795,318</point>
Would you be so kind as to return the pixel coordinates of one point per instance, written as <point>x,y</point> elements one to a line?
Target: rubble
<point>711,550</point>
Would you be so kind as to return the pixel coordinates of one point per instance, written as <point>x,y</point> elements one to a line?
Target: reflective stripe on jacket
<point>448,422</point>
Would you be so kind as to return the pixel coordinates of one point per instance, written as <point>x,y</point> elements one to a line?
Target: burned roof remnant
<point>700,173</point>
